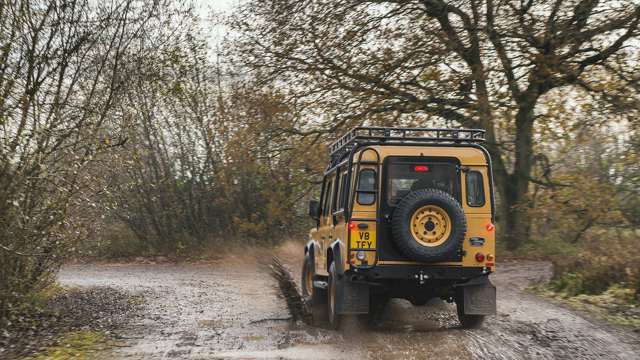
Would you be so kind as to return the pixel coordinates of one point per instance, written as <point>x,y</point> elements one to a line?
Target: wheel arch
<point>334,253</point>
<point>311,248</point>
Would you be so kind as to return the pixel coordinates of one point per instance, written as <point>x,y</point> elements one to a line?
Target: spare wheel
<point>429,225</point>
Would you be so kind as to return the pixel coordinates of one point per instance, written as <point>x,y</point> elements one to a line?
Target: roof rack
<point>377,135</point>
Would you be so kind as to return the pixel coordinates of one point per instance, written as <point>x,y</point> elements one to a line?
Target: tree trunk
<point>514,215</point>
<point>516,199</point>
<point>513,205</point>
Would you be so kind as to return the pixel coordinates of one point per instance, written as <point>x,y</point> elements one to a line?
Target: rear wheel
<point>334,317</point>
<point>311,294</point>
<point>466,320</point>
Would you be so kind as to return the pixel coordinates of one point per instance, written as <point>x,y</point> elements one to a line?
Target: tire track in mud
<point>232,309</point>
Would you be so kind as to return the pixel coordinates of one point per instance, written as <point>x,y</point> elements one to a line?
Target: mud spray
<point>290,292</point>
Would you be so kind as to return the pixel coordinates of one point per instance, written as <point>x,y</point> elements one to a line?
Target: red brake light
<point>352,225</point>
<point>479,257</point>
<point>490,227</point>
<point>421,168</point>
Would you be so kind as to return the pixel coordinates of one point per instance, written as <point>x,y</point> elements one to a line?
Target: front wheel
<point>334,317</point>
<point>466,320</point>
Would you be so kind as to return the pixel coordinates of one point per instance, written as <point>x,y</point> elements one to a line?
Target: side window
<point>366,189</point>
<point>340,200</point>
<point>475,189</point>
<point>323,195</point>
<point>327,197</point>
<point>336,198</point>
<point>344,194</point>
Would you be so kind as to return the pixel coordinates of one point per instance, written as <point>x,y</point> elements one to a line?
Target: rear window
<point>406,176</point>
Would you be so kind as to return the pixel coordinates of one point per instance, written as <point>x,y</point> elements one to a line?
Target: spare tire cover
<point>429,225</point>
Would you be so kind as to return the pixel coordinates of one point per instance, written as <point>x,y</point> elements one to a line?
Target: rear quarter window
<point>366,187</point>
<point>475,189</point>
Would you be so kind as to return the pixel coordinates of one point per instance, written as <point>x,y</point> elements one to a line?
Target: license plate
<point>363,239</point>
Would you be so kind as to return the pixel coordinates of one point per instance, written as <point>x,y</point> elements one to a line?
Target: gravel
<point>94,308</point>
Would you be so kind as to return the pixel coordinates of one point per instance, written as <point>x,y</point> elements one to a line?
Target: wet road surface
<point>231,309</point>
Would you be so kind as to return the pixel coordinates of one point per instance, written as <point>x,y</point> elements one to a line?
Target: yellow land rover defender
<point>403,213</point>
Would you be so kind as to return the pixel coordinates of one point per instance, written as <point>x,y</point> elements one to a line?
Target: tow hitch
<point>421,277</point>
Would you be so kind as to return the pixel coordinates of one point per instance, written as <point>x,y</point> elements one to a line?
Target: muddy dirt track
<point>231,309</point>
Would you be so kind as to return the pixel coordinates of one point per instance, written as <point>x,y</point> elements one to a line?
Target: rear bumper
<point>416,283</point>
<point>416,273</point>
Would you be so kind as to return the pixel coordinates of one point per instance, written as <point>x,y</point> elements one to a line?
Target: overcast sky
<point>205,8</point>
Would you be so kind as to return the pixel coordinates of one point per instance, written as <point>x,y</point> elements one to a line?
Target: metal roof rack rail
<point>389,135</point>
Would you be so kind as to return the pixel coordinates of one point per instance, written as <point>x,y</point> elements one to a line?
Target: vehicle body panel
<point>334,226</point>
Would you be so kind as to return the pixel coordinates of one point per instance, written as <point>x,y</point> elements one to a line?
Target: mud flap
<point>352,298</point>
<point>479,296</point>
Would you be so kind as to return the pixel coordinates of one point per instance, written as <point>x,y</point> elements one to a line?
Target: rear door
<point>403,174</point>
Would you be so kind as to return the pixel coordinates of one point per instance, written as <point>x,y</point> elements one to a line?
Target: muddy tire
<point>311,295</point>
<point>334,317</point>
<point>467,321</point>
<point>429,225</point>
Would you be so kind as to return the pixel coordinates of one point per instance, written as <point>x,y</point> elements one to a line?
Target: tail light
<point>490,259</point>
<point>479,257</point>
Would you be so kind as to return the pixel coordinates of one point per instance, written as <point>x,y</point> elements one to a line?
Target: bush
<point>605,259</point>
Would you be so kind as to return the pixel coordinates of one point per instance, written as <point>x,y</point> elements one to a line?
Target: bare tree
<point>63,67</point>
<point>472,63</point>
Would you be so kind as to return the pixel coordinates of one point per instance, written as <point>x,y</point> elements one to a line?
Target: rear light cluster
<point>480,257</point>
<point>490,259</point>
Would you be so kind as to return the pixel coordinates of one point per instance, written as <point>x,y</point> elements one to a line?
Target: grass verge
<point>616,305</point>
<point>68,323</point>
<point>83,344</point>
